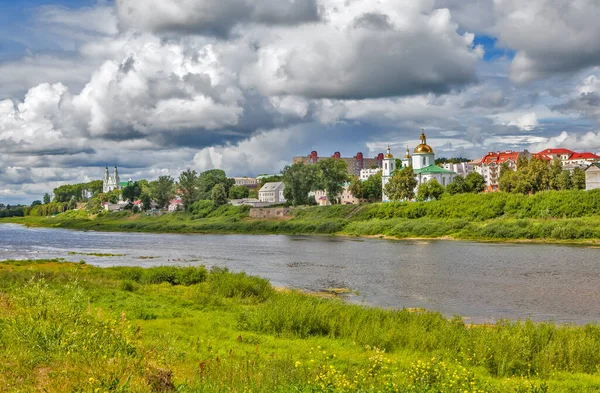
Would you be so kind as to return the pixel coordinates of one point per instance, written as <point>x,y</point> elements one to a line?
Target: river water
<point>481,282</point>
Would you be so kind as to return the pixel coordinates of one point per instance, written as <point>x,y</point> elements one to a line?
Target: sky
<point>160,86</point>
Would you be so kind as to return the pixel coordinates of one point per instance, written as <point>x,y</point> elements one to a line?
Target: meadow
<point>72,327</point>
<point>550,216</point>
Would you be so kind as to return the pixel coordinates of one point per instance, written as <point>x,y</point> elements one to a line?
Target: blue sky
<point>159,86</point>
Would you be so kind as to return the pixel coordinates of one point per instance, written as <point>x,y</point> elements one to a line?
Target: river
<point>481,282</point>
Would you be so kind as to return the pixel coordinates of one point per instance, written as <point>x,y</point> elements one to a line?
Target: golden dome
<point>389,153</point>
<point>423,148</point>
<point>407,153</point>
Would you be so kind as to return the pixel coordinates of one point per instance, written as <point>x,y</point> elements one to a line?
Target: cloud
<point>211,17</point>
<point>589,141</point>
<point>525,122</point>
<point>368,50</point>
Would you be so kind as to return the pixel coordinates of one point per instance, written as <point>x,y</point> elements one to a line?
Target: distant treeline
<point>16,211</point>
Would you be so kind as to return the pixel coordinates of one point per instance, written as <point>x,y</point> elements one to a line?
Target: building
<point>592,176</point>
<point>489,165</point>
<point>462,169</point>
<point>354,164</point>
<point>111,183</point>
<point>423,165</point>
<point>345,198</point>
<point>247,182</point>
<point>175,204</point>
<point>365,174</point>
<point>272,193</point>
<point>569,157</point>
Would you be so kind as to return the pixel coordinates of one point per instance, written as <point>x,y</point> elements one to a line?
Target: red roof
<point>540,156</point>
<point>175,201</point>
<point>584,156</point>
<point>500,157</point>
<point>556,151</point>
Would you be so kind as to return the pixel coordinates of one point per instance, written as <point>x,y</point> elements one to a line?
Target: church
<point>423,165</point>
<point>111,183</point>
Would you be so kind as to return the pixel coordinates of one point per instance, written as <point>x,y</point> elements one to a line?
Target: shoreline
<point>590,243</point>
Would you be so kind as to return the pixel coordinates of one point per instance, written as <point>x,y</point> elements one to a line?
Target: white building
<point>592,177</point>
<point>272,193</point>
<point>175,205</point>
<point>111,183</point>
<point>423,164</point>
<point>248,182</point>
<point>365,174</point>
<point>462,169</point>
<point>345,198</point>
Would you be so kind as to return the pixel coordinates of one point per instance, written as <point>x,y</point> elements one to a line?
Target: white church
<point>423,164</point>
<point>111,183</point>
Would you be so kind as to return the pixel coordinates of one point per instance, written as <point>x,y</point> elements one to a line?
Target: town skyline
<point>85,83</point>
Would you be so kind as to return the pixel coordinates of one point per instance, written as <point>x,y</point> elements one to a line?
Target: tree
<point>398,163</point>
<point>238,192</point>
<point>270,179</point>
<point>475,182</point>
<point>430,190</point>
<point>564,181</point>
<point>333,176</point>
<point>458,186</point>
<point>146,201</point>
<point>508,181</point>
<point>556,171</point>
<point>299,180</point>
<point>401,185</point>
<point>47,198</point>
<point>132,192</point>
<point>188,187</point>
<point>357,187</point>
<point>369,189</point>
<point>94,205</point>
<point>209,179</point>
<point>219,195</point>
<point>35,203</point>
<point>578,177</point>
<point>162,190</point>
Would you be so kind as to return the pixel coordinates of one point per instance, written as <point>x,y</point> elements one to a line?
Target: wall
<point>270,212</point>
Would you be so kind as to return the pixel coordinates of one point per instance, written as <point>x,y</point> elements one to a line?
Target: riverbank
<point>547,217</point>
<point>75,327</point>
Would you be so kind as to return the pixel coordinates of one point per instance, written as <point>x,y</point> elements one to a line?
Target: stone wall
<point>270,212</point>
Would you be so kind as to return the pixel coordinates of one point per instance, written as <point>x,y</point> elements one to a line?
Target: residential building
<point>354,164</point>
<point>272,192</point>
<point>569,157</point>
<point>345,198</point>
<point>175,205</point>
<point>489,165</point>
<point>462,169</point>
<point>423,164</point>
<point>248,182</point>
<point>365,174</point>
<point>592,176</point>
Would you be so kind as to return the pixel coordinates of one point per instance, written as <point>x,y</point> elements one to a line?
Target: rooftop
<point>432,169</point>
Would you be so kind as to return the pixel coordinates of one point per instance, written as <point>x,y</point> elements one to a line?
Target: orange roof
<point>500,157</point>
<point>540,156</point>
<point>584,156</point>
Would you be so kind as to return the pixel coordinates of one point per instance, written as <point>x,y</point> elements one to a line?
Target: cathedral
<point>423,165</point>
<point>113,182</point>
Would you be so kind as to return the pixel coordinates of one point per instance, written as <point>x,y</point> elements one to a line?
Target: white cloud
<point>525,122</point>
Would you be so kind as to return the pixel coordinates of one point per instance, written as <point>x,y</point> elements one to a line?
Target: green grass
<point>552,216</point>
<point>77,328</point>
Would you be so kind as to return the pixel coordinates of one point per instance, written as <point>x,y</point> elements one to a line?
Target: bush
<point>239,285</point>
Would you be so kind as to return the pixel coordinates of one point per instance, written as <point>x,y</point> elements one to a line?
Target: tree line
<point>536,175</point>
<point>329,174</point>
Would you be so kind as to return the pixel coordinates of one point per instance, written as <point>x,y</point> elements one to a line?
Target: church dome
<point>407,153</point>
<point>423,148</point>
<point>389,153</point>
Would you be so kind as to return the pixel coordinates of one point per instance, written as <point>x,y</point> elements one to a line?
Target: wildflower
<point>298,363</point>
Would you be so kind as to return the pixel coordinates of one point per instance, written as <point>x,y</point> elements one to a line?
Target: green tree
<point>219,195</point>
<point>556,171</point>
<point>162,190</point>
<point>47,198</point>
<point>132,192</point>
<point>94,205</point>
<point>578,177</point>
<point>401,185</point>
<point>564,181</point>
<point>35,203</point>
<point>333,176</point>
<point>475,183</point>
<point>207,180</point>
<point>356,187</point>
<point>238,192</point>
<point>146,201</point>
<point>372,188</point>
<point>114,196</point>
<point>270,179</point>
<point>458,186</point>
<point>299,180</point>
<point>508,181</point>
<point>188,187</point>
<point>431,190</point>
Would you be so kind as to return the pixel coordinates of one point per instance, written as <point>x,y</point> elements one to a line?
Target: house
<point>175,205</point>
<point>462,169</point>
<point>365,174</point>
<point>570,158</point>
<point>272,193</point>
<point>592,176</point>
<point>345,198</point>
<point>248,182</point>
<point>489,165</point>
<point>111,207</point>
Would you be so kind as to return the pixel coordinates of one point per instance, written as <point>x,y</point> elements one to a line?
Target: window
<point>386,165</point>
<point>424,161</point>
<point>444,181</point>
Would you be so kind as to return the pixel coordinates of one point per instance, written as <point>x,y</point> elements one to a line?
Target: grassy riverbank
<point>74,327</point>
<point>554,216</point>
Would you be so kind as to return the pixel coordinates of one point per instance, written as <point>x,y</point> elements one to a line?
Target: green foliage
<point>219,195</point>
<point>49,209</point>
<point>475,182</point>
<point>47,198</point>
<point>239,192</point>
<point>401,185</point>
<point>369,189</point>
<point>458,186</point>
<point>239,285</point>
<point>68,192</point>
<point>162,190</point>
<point>188,187</point>
<point>299,180</point>
<point>578,178</point>
<point>430,190</point>
<point>209,179</point>
<point>332,177</point>
<point>132,192</point>
<point>17,211</point>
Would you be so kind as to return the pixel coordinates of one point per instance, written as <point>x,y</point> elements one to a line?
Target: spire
<point>423,137</point>
<point>389,152</point>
